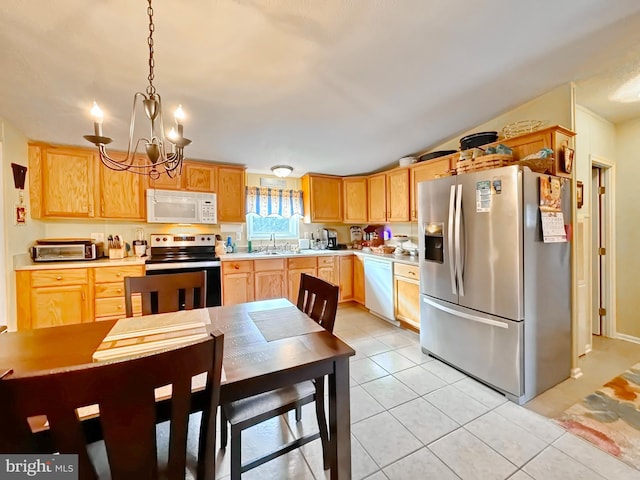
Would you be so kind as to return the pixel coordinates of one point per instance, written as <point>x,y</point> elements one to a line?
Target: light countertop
<point>23,262</point>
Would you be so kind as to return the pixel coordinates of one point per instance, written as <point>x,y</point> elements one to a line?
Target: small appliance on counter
<point>330,238</point>
<point>140,244</point>
<point>66,249</point>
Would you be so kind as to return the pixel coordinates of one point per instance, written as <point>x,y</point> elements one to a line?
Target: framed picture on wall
<point>568,154</point>
<point>579,194</point>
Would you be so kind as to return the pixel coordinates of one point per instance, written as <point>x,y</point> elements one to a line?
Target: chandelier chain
<point>151,89</point>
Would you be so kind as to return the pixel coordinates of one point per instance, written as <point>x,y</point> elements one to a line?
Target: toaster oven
<point>63,250</point>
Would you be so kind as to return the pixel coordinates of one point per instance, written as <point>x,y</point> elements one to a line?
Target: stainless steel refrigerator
<point>495,300</point>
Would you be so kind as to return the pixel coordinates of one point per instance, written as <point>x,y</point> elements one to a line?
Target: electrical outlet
<point>238,235</point>
<point>97,237</point>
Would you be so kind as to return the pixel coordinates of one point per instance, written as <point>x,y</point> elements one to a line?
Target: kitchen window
<point>273,211</point>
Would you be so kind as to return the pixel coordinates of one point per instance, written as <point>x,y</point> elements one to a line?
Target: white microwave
<point>171,206</point>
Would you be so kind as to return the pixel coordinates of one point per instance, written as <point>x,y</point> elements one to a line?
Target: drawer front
<point>110,307</point>
<point>108,290</point>
<point>237,267</point>
<point>67,276</point>
<point>117,274</point>
<point>326,261</point>
<point>409,271</point>
<point>302,262</point>
<point>267,265</point>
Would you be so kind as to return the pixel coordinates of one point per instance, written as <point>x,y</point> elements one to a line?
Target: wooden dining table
<point>268,344</point>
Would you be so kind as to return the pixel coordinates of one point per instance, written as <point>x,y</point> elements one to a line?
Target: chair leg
<point>236,453</point>
<point>223,429</point>
<point>298,412</point>
<point>322,422</point>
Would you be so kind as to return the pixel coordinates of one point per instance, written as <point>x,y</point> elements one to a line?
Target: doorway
<point>602,248</point>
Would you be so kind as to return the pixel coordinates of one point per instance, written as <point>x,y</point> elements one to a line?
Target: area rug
<point>610,417</point>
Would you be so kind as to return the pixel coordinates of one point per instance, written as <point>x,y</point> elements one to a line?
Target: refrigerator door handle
<point>457,313</point>
<point>459,260</point>
<point>452,269</point>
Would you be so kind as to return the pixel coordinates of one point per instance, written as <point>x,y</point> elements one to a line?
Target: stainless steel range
<point>171,253</point>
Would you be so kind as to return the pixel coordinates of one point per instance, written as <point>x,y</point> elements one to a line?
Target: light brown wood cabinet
<point>328,268</point>
<point>358,279</point>
<point>237,282</point>
<point>62,182</point>
<point>165,182</point>
<point>109,291</point>
<point>377,201</point>
<point>269,279</point>
<point>346,277</point>
<point>427,170</point>
<point>355,199</point>
<point>199,177</point>
<point>46,298</point>
<point>406,279</point>
<point>231,194</point>
<point>322,198</point>
<point>398,195</point>
<point>122,194</point>
<point>296,267</point>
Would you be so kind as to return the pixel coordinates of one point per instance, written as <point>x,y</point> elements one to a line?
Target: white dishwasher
<point>378,287</point>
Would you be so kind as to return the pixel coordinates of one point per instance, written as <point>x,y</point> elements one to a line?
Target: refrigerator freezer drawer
<point>487,347</point>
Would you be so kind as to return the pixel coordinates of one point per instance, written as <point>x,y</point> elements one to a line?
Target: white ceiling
<point>333,86</point>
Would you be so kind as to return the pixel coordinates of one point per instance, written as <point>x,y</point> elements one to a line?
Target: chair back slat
<point>124,391</point>
<point>166,292</point>
<point>319,300</point>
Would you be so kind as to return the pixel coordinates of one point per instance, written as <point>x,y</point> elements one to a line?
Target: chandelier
<point>159,153</point>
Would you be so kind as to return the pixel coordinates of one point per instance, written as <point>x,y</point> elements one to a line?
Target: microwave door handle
<point>452,270</point>
<point>458,227</point>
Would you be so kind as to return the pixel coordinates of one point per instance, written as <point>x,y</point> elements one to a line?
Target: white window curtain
<point>265,202</point>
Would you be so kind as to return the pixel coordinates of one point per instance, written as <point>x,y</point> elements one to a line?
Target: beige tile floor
<point>413,417</point>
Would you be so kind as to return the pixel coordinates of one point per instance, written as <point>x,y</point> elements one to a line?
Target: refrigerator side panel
<point>491,242</point>
<point>487,347</point>
<point>434,239</point>
<point>547,293</point>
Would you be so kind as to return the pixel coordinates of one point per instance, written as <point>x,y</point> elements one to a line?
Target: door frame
<point>608,170</point>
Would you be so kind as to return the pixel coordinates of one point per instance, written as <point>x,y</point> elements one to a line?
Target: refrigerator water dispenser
<point>434,242</point>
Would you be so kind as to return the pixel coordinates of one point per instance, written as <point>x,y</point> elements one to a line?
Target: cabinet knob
<point>236,266</point>
<point>119,290</point>
<point>58,277</point>
<point>118,274</point>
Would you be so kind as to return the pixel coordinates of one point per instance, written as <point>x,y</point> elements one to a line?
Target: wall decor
<point>579,194</point>
<point>568,154</point>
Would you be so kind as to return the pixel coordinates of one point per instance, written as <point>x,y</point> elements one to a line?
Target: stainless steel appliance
<point>172,253</point>
<point>169,206</point>
<point>495,299</point>
<point>330,238</point>
<point>66,249</point>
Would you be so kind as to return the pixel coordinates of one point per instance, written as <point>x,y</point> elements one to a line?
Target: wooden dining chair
<point>319,300</point>
<point>123,390</point>
<point>166,292</point>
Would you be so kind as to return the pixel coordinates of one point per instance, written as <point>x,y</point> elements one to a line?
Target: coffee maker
<point>330,238</point>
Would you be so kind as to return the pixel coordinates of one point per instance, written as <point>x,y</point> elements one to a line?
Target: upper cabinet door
<point>63,181</point>
<point>122,194</point>
<point>199,177</point>
<point>355,199</point>
<point>377,205</point>
<point>322,197</point>
<point>427,171</point>
<point>231,194</point>
<point>398,195</point>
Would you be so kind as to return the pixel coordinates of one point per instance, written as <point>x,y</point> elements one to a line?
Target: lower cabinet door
<point>59,305</point>
<point>237,288</point>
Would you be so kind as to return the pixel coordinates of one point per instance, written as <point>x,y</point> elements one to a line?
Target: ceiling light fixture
<point>156,145</point>
<point>282,170</point>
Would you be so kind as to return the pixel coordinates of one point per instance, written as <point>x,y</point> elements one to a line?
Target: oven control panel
<point>179,240</point>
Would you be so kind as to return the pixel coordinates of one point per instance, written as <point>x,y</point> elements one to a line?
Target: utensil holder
<point>115,253</point>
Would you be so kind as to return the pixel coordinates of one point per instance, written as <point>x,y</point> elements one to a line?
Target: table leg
<point>340,420</point>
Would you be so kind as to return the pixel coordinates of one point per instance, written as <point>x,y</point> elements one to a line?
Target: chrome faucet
<point>272,238</point>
